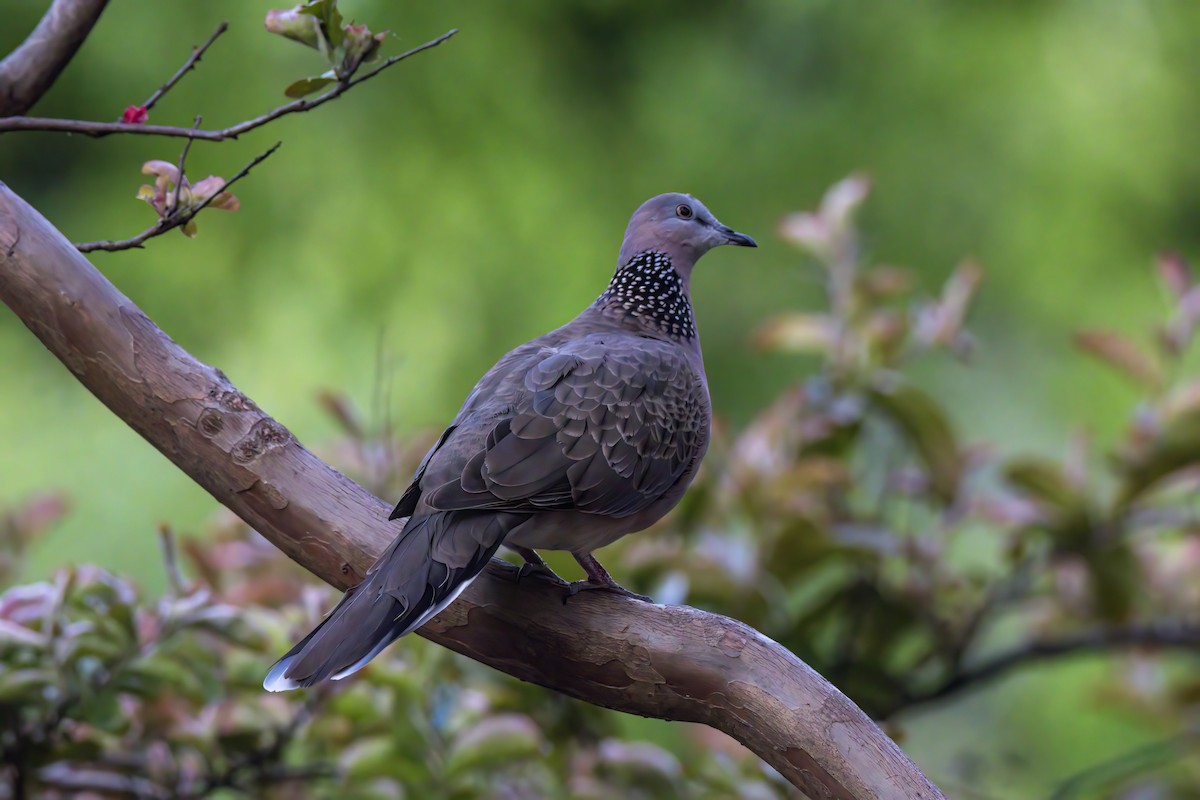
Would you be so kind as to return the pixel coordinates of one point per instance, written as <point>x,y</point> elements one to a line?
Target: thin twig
<point>98,129</point>
<point>170,555</point>
<point>1160,635</point>
<point>181,177</point>
<point>192,61</point>
<point>172,222</point>
<point>1137,761</point>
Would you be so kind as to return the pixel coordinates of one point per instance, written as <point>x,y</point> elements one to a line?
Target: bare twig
<point>180,217</point>
<point>193,59</point>
<point>1140,760</point>
<point>1155,636</point>
<point>28,72</point>
<point>166,539</point>
<point>99,129</point>
<point>183,154</point>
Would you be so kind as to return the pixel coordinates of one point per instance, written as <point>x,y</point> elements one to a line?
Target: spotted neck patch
<point>649,290</point>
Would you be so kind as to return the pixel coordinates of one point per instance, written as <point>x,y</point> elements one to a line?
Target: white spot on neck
<point>649,290</point>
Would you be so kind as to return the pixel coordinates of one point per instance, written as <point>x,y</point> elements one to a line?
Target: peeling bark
<point>669,662</point>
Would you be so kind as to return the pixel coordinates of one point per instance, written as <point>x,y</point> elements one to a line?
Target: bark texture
<point>674,663</point>
<point>28,72</point>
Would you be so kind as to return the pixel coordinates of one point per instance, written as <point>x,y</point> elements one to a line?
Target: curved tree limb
<point>28,72</point>
<point>674,663</point>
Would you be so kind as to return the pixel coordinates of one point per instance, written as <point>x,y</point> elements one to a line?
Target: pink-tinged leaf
<point>1180,329</point>
<point>163,169</point>
<point>1065,510</point>
<point>885,331</point>
<point>957,295</point>
<point>359,45</point>
<point>1007,510</point>
<point>307,86</point>
<point>1077,459</point>
<point>330,19</point>
<point>1123,355</point>
<point>226,202</point>
<point>30,604</point>
<point>204,189</point>
<point>887,281</point>
<point>844,198</point>
<point>135,115</point>
<point>292,24</point>
<point>924,424</point>
<point>806,231</point>
<point>828,234</point>
<point>17,685</point>
<point>647,763</point>
<point>341,407</point>
<point>1182,400</point>
<point>500,739</point>
<point>1175,273</point>
<point>155,197</point>
<point>796,333</point>
<point>941,322</point>
<point>1043,480</point>
<point>12,633</point>
<point>41,511</point>
<point>1154,455</point>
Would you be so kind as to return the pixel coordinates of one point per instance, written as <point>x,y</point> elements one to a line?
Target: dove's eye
<point>683,211</point>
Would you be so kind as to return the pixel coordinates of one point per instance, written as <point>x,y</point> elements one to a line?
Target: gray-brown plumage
<point>569,442</point>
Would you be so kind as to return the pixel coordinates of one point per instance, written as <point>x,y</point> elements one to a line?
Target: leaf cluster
<point>319,24</point>
<point>851,521</point>
<point>107,693</point>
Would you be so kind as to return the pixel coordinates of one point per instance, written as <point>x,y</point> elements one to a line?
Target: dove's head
<point>681,227</point>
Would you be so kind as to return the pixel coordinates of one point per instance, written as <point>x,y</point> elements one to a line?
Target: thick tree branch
<point>28,72</point>
<point>98,129</point>
<point>673,663</point>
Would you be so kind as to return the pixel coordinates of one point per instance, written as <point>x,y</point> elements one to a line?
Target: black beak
<point>735,238</point>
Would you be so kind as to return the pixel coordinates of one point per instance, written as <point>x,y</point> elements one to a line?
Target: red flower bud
<point>135,114</point>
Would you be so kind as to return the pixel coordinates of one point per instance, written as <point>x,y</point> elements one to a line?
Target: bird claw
<point>539,571</point>
<point>575,587</point>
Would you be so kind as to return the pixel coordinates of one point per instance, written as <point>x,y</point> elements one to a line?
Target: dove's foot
<point>575,587</point>
<point>540,572</point>
<point>534,566</point>
<point>598,579</point>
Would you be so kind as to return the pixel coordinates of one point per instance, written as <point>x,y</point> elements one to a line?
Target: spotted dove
<point>569,442</point>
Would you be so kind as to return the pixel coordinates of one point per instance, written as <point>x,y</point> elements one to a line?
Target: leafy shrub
<point>850,521</point>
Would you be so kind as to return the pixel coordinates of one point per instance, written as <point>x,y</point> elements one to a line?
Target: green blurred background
<point>473,197</point>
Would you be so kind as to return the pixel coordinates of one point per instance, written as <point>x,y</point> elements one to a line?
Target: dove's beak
<point>733,237</point>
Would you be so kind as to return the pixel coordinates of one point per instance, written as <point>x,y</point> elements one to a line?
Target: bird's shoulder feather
<point>605,423</point>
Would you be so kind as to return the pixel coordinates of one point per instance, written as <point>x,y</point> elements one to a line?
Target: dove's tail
<point>421,573</point>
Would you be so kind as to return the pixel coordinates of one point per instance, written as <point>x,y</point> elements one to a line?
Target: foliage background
<point>472,198</point>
